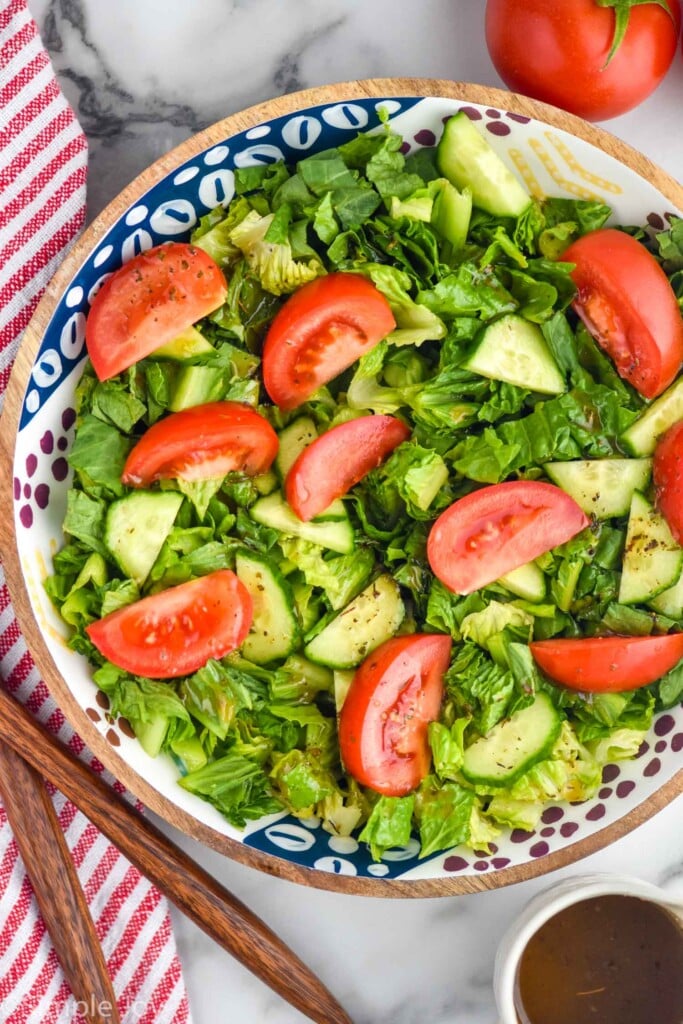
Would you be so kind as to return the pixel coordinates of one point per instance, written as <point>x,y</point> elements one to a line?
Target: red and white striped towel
<point>43,161</point>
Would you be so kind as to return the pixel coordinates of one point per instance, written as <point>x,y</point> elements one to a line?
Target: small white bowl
<point>549,903</point>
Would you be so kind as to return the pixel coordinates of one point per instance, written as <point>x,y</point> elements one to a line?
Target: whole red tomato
<point>594,58</point>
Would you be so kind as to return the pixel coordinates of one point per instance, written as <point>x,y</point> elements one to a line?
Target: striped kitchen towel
<point>43,161</point>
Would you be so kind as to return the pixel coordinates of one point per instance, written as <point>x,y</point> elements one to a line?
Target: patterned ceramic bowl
<point>554,153</point>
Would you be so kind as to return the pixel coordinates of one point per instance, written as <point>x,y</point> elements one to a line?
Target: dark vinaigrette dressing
<point>607,960</point>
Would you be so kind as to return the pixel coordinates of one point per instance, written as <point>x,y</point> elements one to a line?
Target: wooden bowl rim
<point>221,130</point>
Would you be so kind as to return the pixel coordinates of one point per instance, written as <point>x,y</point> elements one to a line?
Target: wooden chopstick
<point>212,907</point>
<point>56,886</point>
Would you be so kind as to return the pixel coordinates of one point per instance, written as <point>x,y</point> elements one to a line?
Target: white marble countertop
<point>143,75</point>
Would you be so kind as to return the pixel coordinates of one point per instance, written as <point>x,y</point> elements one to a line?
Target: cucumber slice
<point>652,558</point>
<point>343,677</point>
<point>642,436</point>
<point>601,487</point>
<point>527,581</point>
<point>467,159</point>
<point>370,619</point>
<point>196,385</point>
<point>514,745</point>
<point>332,531</point>
<point>293,439</point>
<point>274,629</point>
<point>188,344</point>
<point>451,213</point>
<point>136,527</point>
<point>514,350</point>
<point>670,601</point>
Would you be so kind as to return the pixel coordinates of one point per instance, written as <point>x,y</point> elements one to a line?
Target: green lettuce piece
<point>481,626</point>
<point>152,707</point>
<point>98,454</point>
<point>412,477</point>
<point>482,830</point>
<point>113,403</point>
<point>443,813</point>
<point>468,291</point>
<point>448,747</point>
<point>618,745</point>
<point>81,603</point>
<point>479,688</point>
<point>215,695</point>
<point>415,323</point>
<point>670,687</point>
<point>237,786</point>
<point>575,425</point>
<point>522,814</point>
<point>84,520</point>
<point>299,680</point>
<point>117,594</point>
<point>212,234</point>
<point>389,824</point>
<point>343,813</point>
<point>302,782</point>
<point>272,262</point>
<point>341,577</point>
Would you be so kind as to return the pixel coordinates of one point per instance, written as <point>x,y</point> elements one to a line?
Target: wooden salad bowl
<point>98,743</point>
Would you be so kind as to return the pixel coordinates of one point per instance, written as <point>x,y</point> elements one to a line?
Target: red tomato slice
<point>202,442</point>
<point>667,474</point>
<point>608,664</point>
<point>492,531</point>
<point>628,305</point>
<point>393,697</point>
<point>338,459</point>
<point>148,302</point>
<point>176,631</point>
<point>321,330</point>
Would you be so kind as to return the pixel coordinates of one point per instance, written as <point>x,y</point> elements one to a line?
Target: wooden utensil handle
<point>57,889</point>
<point>215,910</point>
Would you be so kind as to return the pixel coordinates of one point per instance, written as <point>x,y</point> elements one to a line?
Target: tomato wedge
<point>627,303</point>
<point>492,531</point>
<point>148,302</point>
<point>333,463</point>
<point>608,664</point>
<point>393,697</point>
<point>202,442</point>
<point>667,474</point>
<point>176,631</point>
<point>321,330</point>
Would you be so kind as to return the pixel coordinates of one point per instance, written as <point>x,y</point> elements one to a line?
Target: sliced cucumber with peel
<point>372,617</point>
<point>468,160</point>
<point>601,487</point>
<point>652,558</point>
<point>513,349</point>
<point>527,582</point>
<point>274,629</point>
<point>514,745</point>
<point>669,602</point>
<point>136,527</point>
<point>334,531</point>
<point>451,212</point>
<point>293,439</point>
<point>184,346</point>
<point>642,436</point>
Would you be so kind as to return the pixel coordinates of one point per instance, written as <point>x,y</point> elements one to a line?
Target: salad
<point>375,512</point>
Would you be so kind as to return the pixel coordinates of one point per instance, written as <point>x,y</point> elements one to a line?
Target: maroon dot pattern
<point>41,470</point>
<point>425,137</point>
